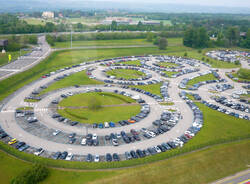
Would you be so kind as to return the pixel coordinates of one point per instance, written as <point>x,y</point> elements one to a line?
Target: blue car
<point>111,124</point>
<point>100,125</point>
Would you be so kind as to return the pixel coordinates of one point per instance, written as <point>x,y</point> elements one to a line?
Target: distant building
<point>151,22</point>
<point>119,20</point>
<point>3,43</point>
<point>60,15</point>
<point>48,15</point>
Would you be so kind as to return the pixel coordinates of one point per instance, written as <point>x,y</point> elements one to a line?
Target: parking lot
<point>155,129</point>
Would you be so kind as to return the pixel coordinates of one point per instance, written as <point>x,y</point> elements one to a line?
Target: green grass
<point>167,64</point>
<point>102,43</point>
<point>152,88</point>
<point>35,21</point>
<point>243,74</point>
<point>201,79</point>
<point>167,103</point>
<point>170,73</point>
<point>31,100</point>
<point>79,78</point>
<point>85,115</point>
<point>135,63</point>
<point>4,58</point>
<point>125,73</point>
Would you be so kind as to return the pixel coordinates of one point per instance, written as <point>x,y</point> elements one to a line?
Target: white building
<point>48,15</point>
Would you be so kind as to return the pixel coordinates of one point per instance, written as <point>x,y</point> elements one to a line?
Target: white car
<point>39,151</point>
<point>69,94</point>
<point>69,156</point>
<point>94,137</point>
<point>106,125</point>
<point>83,142</point>
<point>56,132</point>
<point>97,158</point>
<point>157,149</point>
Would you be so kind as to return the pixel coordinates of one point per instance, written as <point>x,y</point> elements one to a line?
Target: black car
<point>56,155</point>
<point>116,157</point>
<point>108,157</point>
<point>89,158</point>
<point>64,155</point>
<point>73,123</point>
<point>72,135</point>
<point>3,135</point>
<point>133,154</point>
<point>20,144</point>
<point>72,140</point>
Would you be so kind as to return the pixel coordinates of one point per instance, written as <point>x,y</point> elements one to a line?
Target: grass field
<point>201,79</point>
<point>85,115</point>
<point>79,78</point>
<point>125,73</point>
<point>35,21</point>
<point>170,73</point>
<point>103,43</point>
<point>152,88</point>
<point>135,63</point>
<point>4,58</point>
<point>167,64</point>
<point>243,74</point>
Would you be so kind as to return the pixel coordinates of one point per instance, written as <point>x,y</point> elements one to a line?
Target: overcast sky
<point>230,3</point>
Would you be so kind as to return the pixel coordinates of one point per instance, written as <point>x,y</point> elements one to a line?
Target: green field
<point>201,79</point>
<point>79,78</point>
<point>4,58</point>
<point>126,73</point>
<point>152,88</point>
<point>135,63</point>
<point>35,21</point>
<point>126,42</point>
<point>243,74</point>
<point>76,107</point>
<point>167,64</point>
<point>170,73</point>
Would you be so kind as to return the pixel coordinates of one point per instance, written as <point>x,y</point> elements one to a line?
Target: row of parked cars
<point>236,79</point>
<point>229,103</point>
<point>222,87</point>
<point>227,55</point>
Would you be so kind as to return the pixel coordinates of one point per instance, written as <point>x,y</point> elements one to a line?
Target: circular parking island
<point>126,74</point>
<point>167,65</point>
<point>96,107</point>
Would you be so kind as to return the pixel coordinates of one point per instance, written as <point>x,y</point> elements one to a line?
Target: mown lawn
<point>79,78</point>
<point>125,73</point>
<point>170,73</point>
<point>152,88</point>
<point>202,78</point>
<point>103,43</point>
<point>84,114</point>
<point>135,63</point>
<point>167,64</point>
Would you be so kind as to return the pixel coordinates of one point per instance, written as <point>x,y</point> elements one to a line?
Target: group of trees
<point>199,38</point>
<point>196,37</point>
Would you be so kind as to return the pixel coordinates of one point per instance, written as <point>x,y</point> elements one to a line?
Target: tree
<point>233,36</point>
<point>246,42</point>
<point>79,26</point>
<point>150,37</point>
<point>163,43</point>
<point>113,25</point>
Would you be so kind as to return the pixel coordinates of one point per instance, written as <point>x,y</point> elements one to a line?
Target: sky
<point>228,3</point>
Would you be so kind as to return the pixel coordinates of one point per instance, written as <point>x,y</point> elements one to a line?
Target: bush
<point>94,104</point>
<point>33,175</point>
<point>202,58</point>
<point>207,60</point>
<point>185,54</point>
<point>237,62</point>
<point>163,43</point>
<point>199,51</point>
